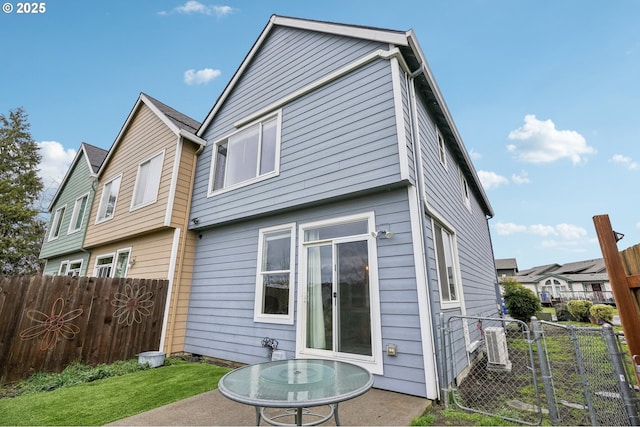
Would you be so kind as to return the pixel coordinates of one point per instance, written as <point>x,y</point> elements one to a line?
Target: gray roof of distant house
<point>506,264</point>
<point>182,121</point>
<point>96,156</point>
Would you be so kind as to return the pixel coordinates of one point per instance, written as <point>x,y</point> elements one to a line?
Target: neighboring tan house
<point>576,280</point>
<point>337,209</point>
<point>138,223</point>
<point>62,248</point>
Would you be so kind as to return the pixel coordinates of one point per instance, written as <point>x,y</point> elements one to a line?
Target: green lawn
<point>107,400</point>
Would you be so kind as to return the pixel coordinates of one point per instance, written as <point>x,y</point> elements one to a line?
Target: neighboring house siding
<point>151,253</point>
<point>53,264</point>
<point>145,137</point>
<point>76,185</point>
<point>220,322</point>
<point>336,140</point>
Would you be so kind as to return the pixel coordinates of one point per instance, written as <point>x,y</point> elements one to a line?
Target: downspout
<point>175,291</point>
<point>418,167</point>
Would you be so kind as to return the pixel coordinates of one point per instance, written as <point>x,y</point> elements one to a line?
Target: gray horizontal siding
<point>220,322</point>
<point>77,184</point>
<point>338,140</point>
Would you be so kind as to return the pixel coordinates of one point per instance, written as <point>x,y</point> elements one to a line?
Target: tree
<point>521,302</point>
<point>21,230</point>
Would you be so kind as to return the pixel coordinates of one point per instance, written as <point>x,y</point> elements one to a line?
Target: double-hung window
<point>56,224</point>
<point>447,266</point>
<point>112,265</point>
<point>77,216</point>
<point>108,200</point>
<point>70,268</point>
<point>148,181</point>
<point>103,267</point>
<point>464,190</point>
<point>250,154</point>
<point>442,153</point>
<point>274,281</point>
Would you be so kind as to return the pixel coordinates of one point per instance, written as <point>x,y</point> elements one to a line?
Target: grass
<point>438,415</point>
<point>106,400</point>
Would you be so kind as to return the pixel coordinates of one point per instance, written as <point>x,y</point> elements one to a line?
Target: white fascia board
<point>160,114</point>
<point>191,137</point>
<point>375,34</point>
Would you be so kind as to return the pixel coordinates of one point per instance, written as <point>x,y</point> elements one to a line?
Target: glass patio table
<point>296,385</point>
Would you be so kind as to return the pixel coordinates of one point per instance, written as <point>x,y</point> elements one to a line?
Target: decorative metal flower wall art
<point>132,305</point>
<point>53,327</point>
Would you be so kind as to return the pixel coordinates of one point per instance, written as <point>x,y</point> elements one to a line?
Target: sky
<point>545,93</point>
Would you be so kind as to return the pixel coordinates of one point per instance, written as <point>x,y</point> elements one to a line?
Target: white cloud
<point>199,77</point>
<point>193,6</point>
<point>522,178</point>
<point>475,155</point>
<point>563,231</point>
<point>491,179</point>
<point>54,163</point>
<point>541,142</point>
<point>625,161</point>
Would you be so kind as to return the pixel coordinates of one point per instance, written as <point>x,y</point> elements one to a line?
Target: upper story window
<point>442,153</point>
<point>447,266</point>
<point>108,200</point>
<point>77,216</point>
<point>56,224</point>
<point>148,181</point>
<point>247,155</point>
<point>274,284</point>
<point>464,188</point>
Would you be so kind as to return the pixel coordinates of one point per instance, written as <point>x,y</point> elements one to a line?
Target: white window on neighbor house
<point>109,198</point>
<point>442,153</point>
<point>147,181</point>
<point>56,224</point>
<point>113,265</point>
<point>70,268</point>
<point>77,216</point>
<point>464,189</point>
<point>250,154</point>
<point>274,281</point>
<point>446,259</point>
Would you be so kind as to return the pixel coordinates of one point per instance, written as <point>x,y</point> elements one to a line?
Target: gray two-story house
<point>62,248</point>
<point>337,209</point>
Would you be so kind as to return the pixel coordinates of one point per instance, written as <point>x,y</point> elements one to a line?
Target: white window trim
<point>258,316</point>
<point>133,206</point>
<point>465,190</point>
<point>74,214</point>
<point>101,220</point>
<point>57,220</point>
<point>68,264</point>
<point>456,262</point>
<point>111,255</point>
<point>114,256</point>
<point>442,149</point>
<point>374,363</point>
<point>276,170</point>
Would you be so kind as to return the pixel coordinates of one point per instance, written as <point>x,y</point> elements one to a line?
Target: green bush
<point>579,309</point>
<point>521,302</point>
<point>602,312</point>
<point>562,313</point>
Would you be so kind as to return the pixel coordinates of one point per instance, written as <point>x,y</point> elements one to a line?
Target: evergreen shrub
<point>602,312</point>
<point>521,302</point>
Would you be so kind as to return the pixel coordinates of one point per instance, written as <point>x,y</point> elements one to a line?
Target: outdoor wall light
<point>383,234</point>
<point>195,221</point>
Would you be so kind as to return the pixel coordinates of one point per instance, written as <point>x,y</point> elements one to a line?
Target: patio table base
<point>298,414</point>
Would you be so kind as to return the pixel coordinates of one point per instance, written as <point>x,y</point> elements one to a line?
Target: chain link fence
<point>550,373</point>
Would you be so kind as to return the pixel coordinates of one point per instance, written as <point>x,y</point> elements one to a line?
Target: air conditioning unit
<point>497,350</point>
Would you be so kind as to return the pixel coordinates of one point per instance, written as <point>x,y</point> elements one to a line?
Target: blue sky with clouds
<point>545,93</point>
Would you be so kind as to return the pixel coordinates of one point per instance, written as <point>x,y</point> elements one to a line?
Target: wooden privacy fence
<point>48,322</point>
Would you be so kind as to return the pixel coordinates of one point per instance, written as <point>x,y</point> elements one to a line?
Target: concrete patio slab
<point>374,408</point>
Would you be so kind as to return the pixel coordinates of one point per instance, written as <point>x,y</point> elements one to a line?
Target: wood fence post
<point>621,284</point>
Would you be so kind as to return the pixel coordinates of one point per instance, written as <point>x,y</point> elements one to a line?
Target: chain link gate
<point>564,375</point>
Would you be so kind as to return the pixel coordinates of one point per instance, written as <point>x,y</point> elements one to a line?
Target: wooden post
<point>621,284</point>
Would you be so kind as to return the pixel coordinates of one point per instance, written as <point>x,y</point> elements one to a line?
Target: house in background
<point>507,267</point>
<point>587,280</point>
<point>62,248</point>
<point>138,223</point>
<point>337,209</point>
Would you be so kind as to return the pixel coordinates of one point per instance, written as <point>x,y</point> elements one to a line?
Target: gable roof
<point>506,264</point>
<point>94,156</point>
<point>411,57</point>
<point>592,270</point>
<point>180,124</point>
